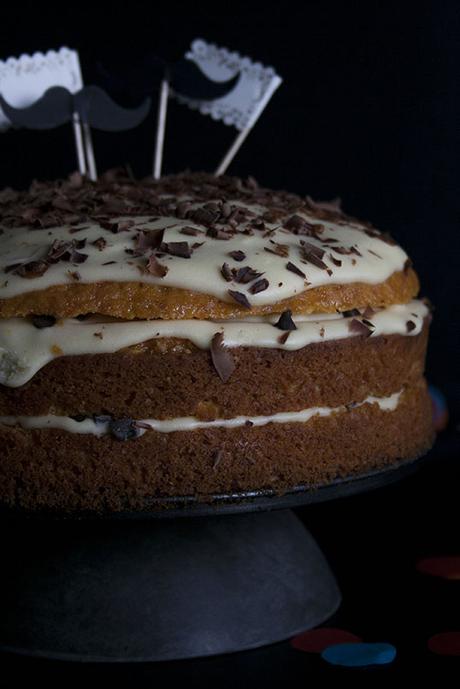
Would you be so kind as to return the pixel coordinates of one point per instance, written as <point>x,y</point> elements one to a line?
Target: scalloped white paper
<point>25,79</point>
<point>242,106</point>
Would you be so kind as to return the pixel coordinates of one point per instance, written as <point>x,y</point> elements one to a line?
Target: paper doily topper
<point>240,107</point>
<point>25,79</point>
<point>28,100</point>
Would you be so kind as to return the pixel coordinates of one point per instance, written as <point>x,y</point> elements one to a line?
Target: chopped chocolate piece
<point>100,242</point>
<point>277,249</point>
<point>356,326</point>
<point>226,272</point>
<point>410,325</point>
<point>221,358</point>
<point>321,332</point>
<point>219,233</point>
<point>197,245</point>
<point>99,334</point>
<point>237,255</point>
<point>312,248</point>
<point>313,254</point>
<point>191,231</point>
<point>43,321</point>
<point>293,268</point>
<point>77,257</point>
<point>350,313</point>
<point>337,262</point>
<point>155,268</point>
<point>180,249</point>
<point>109,263</point>
<point>282,338</point>
<point>368,323</point>
<point>240,298</point>
<point>74,274</point>
<point>122,429</point>
<point>285,321</point>
<point>259,286</point>
<point>248,423</point>
<point>245,274</point>
<point>33,269</point>
<point>148,239</point>
<point>374,253</point>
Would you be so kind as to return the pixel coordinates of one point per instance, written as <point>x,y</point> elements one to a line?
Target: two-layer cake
<point>199,335</point>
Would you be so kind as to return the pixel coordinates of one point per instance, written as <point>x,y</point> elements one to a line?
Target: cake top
<point>189,245</point>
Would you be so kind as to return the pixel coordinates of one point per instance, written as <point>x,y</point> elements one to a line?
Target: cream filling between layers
<point>190,423</point>
<point>25,349</point>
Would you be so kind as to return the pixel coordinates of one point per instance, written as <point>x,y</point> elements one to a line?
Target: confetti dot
<point>439,408</point>
<point>445,644</point>
<point>359,654</point>
<point>447,567</point>
<point>316,640</point>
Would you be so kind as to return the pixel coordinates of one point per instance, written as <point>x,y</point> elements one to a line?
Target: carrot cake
<point>199,336</point>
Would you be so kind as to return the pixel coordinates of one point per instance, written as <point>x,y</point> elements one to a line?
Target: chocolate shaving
<point>221,358</point>
<point>285,321</point>
<point>282,338</point>
<point>148,239</point>
<point>33,269</point>
<point>259,286</point>
<point>180,249</point>
<point>43,321</point>
<point>277,249</point>
<point>356,326</point>
<point>350,313</point>
<point>74,274</point>
<point>123,429</point>
<point>100,243</point>
<point>155,268</point>
<point>410,326</point>
<point>191,231</point>
<point>337,262</point>
<point>240,298</point>
<point>293,268</point>
<point>237,255</point>
<point>245,274</point>
<point>226,272</point>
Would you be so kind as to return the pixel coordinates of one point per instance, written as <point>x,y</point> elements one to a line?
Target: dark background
<point>368,111</point>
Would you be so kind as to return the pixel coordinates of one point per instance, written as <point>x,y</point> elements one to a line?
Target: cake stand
<point>185,578</point>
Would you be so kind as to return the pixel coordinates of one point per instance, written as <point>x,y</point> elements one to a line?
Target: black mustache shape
<point>57,106</point>
<point>188,80</point>
<point>54,108</point>
<point>145,76</point>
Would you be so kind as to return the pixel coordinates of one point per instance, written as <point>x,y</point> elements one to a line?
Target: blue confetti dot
<point>359,654</point>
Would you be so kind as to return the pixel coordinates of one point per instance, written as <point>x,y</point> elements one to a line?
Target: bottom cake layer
<point>57,469</point>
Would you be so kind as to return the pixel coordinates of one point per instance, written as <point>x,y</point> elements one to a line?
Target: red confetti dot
<point>447,567</point>
<point>317,640</point>
<point>445,643</point>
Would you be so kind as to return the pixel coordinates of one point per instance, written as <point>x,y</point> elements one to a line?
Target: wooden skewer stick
<point>161,126</point>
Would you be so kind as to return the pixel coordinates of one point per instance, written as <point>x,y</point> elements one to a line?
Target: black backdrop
<point>369,111</point>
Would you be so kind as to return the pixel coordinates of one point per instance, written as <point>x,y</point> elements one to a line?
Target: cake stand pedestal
<point>235,574</point>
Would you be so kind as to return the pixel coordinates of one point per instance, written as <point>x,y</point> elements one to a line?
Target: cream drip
<point>190,423</point>
<point>374,263</point>
<point>25,349</point>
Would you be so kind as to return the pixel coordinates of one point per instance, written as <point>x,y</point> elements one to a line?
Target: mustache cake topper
<point>94,107</point>
<point>247,87</point>
<point>24,80</point>
<point>184,79</point>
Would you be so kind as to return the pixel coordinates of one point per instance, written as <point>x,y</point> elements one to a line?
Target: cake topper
<point>243,105</point>
<point>219,83</point>
<point>25,79</point>
<point>88,106</point>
